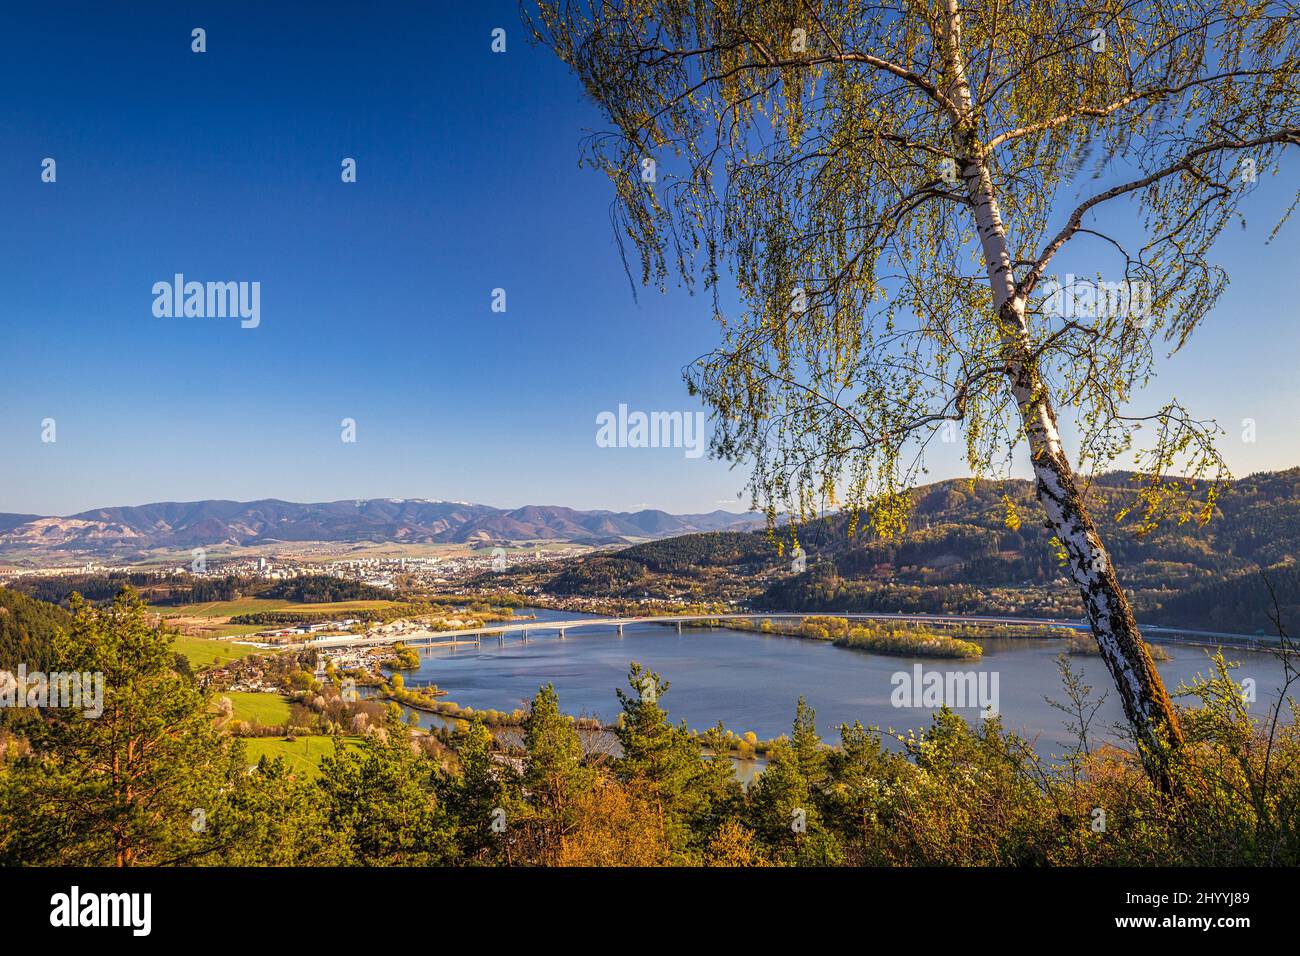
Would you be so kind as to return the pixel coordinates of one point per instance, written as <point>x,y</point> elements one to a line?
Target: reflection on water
<point>752,681</point>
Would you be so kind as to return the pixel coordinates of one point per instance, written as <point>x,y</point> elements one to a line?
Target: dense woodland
<point>27,628</point>
<point>124,789</point>
<point>187,589</point>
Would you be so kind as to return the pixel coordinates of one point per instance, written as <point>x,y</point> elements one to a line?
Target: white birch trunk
<point>1146,703</point>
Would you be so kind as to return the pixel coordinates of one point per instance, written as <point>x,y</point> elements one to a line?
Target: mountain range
<point>136,529</point>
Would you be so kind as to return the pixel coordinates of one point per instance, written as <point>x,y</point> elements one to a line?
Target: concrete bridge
<point>526,628</point>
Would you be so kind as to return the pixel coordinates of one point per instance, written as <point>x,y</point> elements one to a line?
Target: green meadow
<point>269,710</point>
<point>253,605</point>
<point>204,652</point>
<point>303,754</point>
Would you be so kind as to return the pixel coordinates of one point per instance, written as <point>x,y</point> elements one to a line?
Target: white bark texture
<point>1146,703</point>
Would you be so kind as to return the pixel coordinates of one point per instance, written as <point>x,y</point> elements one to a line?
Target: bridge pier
<point>561,633</point>
<point>620,630</point>
<point>679,627</point>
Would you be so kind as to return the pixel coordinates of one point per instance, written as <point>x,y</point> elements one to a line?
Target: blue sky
<point>375,295</point>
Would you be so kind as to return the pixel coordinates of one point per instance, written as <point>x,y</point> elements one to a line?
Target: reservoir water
<point>751,681</point>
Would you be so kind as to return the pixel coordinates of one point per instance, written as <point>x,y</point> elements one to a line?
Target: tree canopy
<point>818,157</point>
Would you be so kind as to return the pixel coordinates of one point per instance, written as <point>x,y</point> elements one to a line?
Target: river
<point>751,681</point>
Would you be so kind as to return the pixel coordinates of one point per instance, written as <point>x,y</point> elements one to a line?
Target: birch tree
<point>875,196</point>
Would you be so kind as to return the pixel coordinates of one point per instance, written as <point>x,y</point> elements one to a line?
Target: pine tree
<point>786,803</point>
<point>717,783</point>
<point>661,760</point>
<point>481,797</point>
<point>379,802</point>
<point>271,816</point>
<point>555,775</point>
<point>807,743</point>
<point>856,773</point>
<point>133,785</point>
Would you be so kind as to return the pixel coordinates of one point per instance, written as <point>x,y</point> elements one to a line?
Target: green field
<point>269,710</point>
<point>253,605</point>
<point>232,630</point>
<point>302,755</point>
<point>202,651</point>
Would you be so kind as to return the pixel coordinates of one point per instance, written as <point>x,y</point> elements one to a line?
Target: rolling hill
<point>961,554</point>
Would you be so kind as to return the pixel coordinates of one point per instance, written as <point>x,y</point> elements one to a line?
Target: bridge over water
<point>524,629</point>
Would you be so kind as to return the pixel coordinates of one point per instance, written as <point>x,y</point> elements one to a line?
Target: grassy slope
<point>210,618</point>
<point>253,605</point>
<point>202,651</point>
<point>270,710</point>
<point>302,755</point>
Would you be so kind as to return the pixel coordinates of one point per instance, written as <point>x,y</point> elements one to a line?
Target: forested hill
<point>27,629</point>
<point>1244,601</point>
<point>184,589</point>
<point>982,546</point>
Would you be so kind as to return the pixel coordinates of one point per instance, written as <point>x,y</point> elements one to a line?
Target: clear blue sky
<point>375,295</point>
